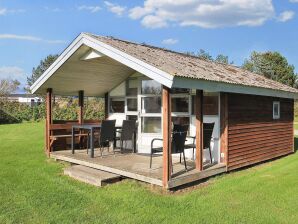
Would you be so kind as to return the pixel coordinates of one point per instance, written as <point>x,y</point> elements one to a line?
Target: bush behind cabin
<point>63,109</point>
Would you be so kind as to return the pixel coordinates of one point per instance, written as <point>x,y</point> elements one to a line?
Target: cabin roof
<point>97,64</point>
<point>183,65</point>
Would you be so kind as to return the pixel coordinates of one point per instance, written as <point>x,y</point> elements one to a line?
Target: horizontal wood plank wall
<point>253,135</point>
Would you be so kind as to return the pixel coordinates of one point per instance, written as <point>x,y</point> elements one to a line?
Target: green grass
<point>33,190</point>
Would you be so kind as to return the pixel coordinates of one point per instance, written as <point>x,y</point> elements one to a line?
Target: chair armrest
<point>193,138</point>
<point>155,139</point>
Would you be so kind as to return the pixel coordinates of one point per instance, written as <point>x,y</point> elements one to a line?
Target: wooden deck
<point>136,166</point>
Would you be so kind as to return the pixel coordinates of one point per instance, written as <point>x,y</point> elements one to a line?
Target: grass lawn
<point>33,190</point>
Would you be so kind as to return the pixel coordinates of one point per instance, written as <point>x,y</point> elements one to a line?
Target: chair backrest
<point>107,132</point>
<point>207,134</point>
<point>178,138</point>
<point>128,129</point>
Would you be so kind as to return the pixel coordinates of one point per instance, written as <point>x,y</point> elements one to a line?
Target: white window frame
<point>276,116</point>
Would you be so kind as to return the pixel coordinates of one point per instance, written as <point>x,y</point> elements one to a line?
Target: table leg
<point>72,141</point>
<point>92,143</point>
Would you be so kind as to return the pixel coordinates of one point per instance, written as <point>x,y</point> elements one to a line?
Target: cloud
<point>29,38</point>
<point>114,8</point>
<point>13,72</point>
<point>285,16</point>
<point>52,9</point>
<point>5,11</point>
<point>170,41</point>
<point>203,13</point>
<point>294,1</point>
<point>91,9</point>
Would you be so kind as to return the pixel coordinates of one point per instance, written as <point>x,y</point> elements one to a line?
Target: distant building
<point>29,99</point>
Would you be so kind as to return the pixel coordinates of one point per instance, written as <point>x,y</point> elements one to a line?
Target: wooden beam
<point>224,128</point>
<point>81,107</point>
<point>106,106</point>
<point>49,119</point>
<point>199,129</point>
<point>166,131</point>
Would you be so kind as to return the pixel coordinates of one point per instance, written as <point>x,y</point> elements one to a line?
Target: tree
<point>39,70</point>
<point>8,86</point>
<point>202,54</point>
<point>223,59</point>
<point>273,66</point>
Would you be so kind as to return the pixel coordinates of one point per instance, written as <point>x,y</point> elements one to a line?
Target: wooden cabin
<point>253,115</point>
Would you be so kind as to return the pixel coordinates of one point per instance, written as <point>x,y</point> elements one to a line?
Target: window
<point>151,125</point>
<point>132,87</point>
<point>276,110</point>
<point>180,104</point>
<point>151,105</point>
<point>132,104</point>
<point>117,105</point>
<point>151,87</point>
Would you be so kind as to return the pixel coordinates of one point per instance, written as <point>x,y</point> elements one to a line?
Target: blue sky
<point>30,30</point>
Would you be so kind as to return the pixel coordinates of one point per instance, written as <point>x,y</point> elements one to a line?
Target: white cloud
<point>293,1</point>
<point>114,8</point>
<point>91,9</point>
<point>52,9</point>
<point>13,72</point>
<point>170,41</point>
<point>152,21</point>
<point>29,38</point>
<point>203,13</point>
<point>285,16</point>
<point>5,11</point>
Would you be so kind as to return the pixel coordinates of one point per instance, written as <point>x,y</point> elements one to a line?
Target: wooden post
<point>81,107</point>
<point>106,106</point>
<point>224,128</point>
<point>166,131</point>
<point>48,119</point>
<point>199,129</point>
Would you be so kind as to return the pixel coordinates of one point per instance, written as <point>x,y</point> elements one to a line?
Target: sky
<point>32,29</point>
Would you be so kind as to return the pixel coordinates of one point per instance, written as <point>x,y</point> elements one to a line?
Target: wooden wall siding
<point>253,134</point>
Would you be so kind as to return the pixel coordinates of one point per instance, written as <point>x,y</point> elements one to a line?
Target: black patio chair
<point>207,136</point>
<point>107,134</point>
<point>178,141</point>
<point>127,133</point>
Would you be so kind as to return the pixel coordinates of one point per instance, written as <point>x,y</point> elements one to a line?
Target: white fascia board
<point>57,63</point>
<point>136,64</point>
<point>180,82</point>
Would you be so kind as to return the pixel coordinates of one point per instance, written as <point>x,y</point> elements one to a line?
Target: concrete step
<point>91,176</point>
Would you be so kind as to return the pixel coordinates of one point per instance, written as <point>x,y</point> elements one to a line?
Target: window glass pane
<point>151,105</point>
<point>132,87</point>
<point>132,105</point>
<point>117,105</point>
<point>151,125</point>
<point>179,90</point>
<point>151,87</point>
<point>180,104</point>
